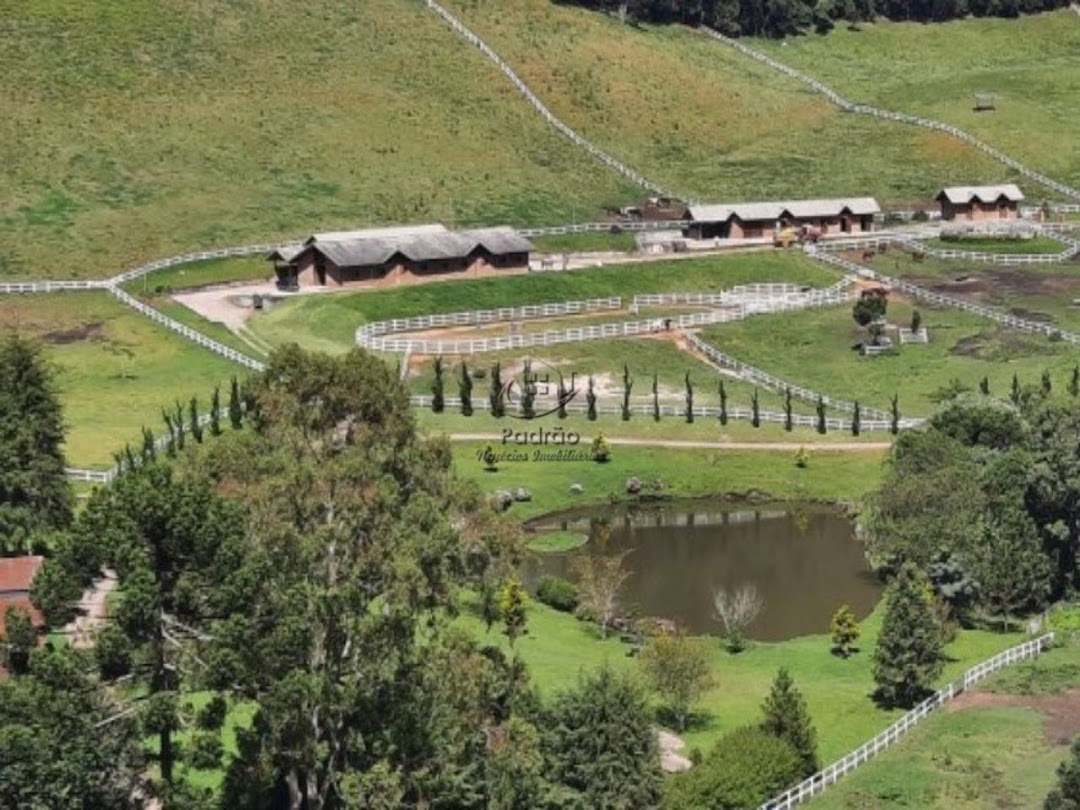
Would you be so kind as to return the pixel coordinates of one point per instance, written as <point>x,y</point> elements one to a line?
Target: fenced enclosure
<point>817,783</point>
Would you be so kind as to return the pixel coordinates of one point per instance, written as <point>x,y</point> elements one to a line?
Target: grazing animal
<point>867,255</point>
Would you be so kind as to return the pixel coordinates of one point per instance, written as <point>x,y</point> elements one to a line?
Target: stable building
<point>980,202</point>
<point>763,220</point>
<point>398,255</point>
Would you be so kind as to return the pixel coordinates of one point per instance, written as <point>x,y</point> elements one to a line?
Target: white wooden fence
<point>540,107</point>
<point>51,286</point>
<point>191,258</point>
<point>817,783</point>
<point>605,227</point>
<point>863,109</point>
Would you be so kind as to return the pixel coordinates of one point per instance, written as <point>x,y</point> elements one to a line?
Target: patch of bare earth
<point>1061,713</point>
<point>88,331</point>
<point>670,758</point>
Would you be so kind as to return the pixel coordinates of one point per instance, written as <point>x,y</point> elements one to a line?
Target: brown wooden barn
<point>398,255</point>
<point>762,220</point>
<point>980,202</point>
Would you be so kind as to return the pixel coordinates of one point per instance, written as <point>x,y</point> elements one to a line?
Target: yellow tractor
<point>785,238</point>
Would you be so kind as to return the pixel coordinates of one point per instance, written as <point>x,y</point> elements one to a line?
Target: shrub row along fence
<point>645,409</point>
<point>937,299</point>
<point>540,107</point>
<point>817,783</point>
<point>863,109</point>
<point>378,335</point>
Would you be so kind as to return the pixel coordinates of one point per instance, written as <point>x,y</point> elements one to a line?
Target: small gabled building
<point>762,220</point>
<point>980,202</point>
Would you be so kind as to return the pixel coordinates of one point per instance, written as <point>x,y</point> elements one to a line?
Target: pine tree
<point>628,384</point>
<point>1014,393</point>
<point>465,390</point>
<point>178,421</point>
<point>894,416</point>
<point>528,391</point>
<point>562,393</point>
<point>655,399</point>
<point>496,403</point>
<point>788,423</point>
<point>856,420</point>
<point>590,401</point>
<point>723,403</point>
<point>193,417</point>
<point>845,631</point>
<point>1074,382</point>
<point>984,386</point>
<point>821,426</point>
<point>916,320</point>
<point>908,656</point>
<point>689,400</point>
<point>170,445</point>
<point>438,399</point>
<point>786,717</point>
<point>215,412</point>
<point>236,411</point>
<point>755,412</point>
<point>512,609</point>
<point>149,447</point>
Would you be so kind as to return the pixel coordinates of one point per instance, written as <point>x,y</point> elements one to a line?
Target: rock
<point>522,495</point>
<point>503,500</point>
<point>576,489</point>
<point>634,485</point>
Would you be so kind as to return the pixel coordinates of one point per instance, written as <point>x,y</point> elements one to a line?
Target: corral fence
<point>876,242</point>
<point>51,286</point>
<point>605,227</point>
<point>887,115</point>
<point>540,107</point>
<point>192,258</point>
<point>817,783</point>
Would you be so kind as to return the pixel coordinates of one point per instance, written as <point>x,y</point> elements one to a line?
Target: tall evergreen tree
<point>984,386</point>
<point>1045,383</point>
<point>528,391</point>
<point>1014,390</point>
<point>821,425</point>
<point>178,421</point>
<point>193,418</point>
<point>562,393</point>
<point>590,401</point>
<point>908,656</point>
<point>1074,381</point>
<point>438,399</point>
<point>34,492</point>
<point>689,399</point>
<point>1066,793</point>
<point>215,412</point>
<point>856,420</point>
<point>788,424</point>
<point>723,403</point>
<point>894,415</point>
<point>465,386</point>
<point>497,396</point>
<point>236,410</point>
<point>149,446</point>
<point>755,412</point>
<point>786,717</point>
<point>628,384</point>
<point>655,399</point>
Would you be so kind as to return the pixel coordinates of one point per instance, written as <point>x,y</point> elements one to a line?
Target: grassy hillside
<point>136,128</point>
<point>703,119</point>
<point>1031,63</point>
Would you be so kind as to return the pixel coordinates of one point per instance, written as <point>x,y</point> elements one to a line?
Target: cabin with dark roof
<point>762,220</point>
<point>398,255</point>
<point>980,202</point>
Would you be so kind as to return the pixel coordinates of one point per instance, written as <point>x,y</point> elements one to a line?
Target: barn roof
<point>499,240</point>
<point>418,244</point>
<point>967,194</point>
<point>285,253</point>
<point>755,211</point>
<point>16,574</point>
<point>392,232</point>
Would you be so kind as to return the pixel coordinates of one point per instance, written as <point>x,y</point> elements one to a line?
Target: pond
<point>804,561</point>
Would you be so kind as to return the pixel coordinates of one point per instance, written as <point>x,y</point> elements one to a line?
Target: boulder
<point>634,485</point>
<point>521,494</point>
<point>576,489</point>
<point>503,499</point>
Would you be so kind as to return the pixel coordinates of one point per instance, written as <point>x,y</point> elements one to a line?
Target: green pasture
<point>935,71</point>
<point>817,349</point>
<point>328,322</point>
<point>578,242</point>
<point>1038,244</point>
<point>707,122</point>
<point>161,128</point>
<point>203,274</point>
<point>115,369</point>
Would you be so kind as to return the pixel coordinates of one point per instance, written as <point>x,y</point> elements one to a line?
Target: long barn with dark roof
<point>396,255</point>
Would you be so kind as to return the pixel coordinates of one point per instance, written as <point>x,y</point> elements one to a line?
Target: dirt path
<point>93,610</point>
<point>1061,713</point>
<point>670,758</point>
<point>703,445</point>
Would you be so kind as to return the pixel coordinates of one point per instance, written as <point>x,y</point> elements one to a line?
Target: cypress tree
<point>129,457</point>
<point>655,400</point>
<point>689,400</point>
<point>215,412</point>
<point>821,427</point>
<point>628,384</point>
<point>196,426</point>
<point>984,386</point>
<point>755,412</point>
<point>786,717</point>
<point>34,491</point>
<point>723,403</point>
<point>1074,382</point>
<point>1014,393</point>
<point>178,420</point>
<point>438,400</point>
<point>1046,385</point>
<point>590,401</point>
<point>170,446</point>
<point>465,390</point>
<point>856,420</point>
<point>528,392</point>
<point>562,394</point>
<point>894,420</point>
<point>236,412</point>
<point>149,448</point>
<point>908,656</point>
<point>787,410</point>
<point>495,395</point>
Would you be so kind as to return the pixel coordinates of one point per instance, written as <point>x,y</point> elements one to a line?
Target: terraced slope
<point>139,128</point>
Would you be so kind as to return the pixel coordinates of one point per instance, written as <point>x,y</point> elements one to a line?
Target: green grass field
<point>328,322</point>
<point>115,369</point>
<point>163,128</point>
<point>815,349</point>
<point>706,121</point>
<point>935,71</point>
<point>1039,244</point>
<point>572,242</point>
<point>203,274</point>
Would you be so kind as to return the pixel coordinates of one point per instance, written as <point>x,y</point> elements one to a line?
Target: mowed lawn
<point>1029,63</point>
<point>116,370</point>
<point>707,122</point>
<point>160,128</point>
<point>818,349</point>
<point>328,322</point>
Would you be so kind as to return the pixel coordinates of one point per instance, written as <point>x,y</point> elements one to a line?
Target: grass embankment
<point>1038,244</point>
<point>91,189</point>
<point>203,274</point>
<point>579,242</point>
<point>706,121</point>
<point>935,70</point>
<point>815,349</point>
<point>555,542</point>
<point>984,756</point>
<point>116,369</point>
<point>328,322</point>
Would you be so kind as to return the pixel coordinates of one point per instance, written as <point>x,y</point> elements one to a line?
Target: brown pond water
<point>804,561</point>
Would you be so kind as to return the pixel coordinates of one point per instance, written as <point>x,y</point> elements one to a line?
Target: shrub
<point>211,717</point>
<point>113,653</point>
<point>558,593</point>
<point>205,751</point>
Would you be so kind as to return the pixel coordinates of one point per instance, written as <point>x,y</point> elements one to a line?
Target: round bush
<point>113,653</point>
<point>205,751</point>
<point>558,593</point>
<point>211,717</point>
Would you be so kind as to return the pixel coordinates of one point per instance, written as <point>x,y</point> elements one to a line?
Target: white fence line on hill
<point>51,286</point>
<point>829,775</point>
<point>864,109</point>
<point>605,227</point>
<point>540,107</point>
<point>192,258</point>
